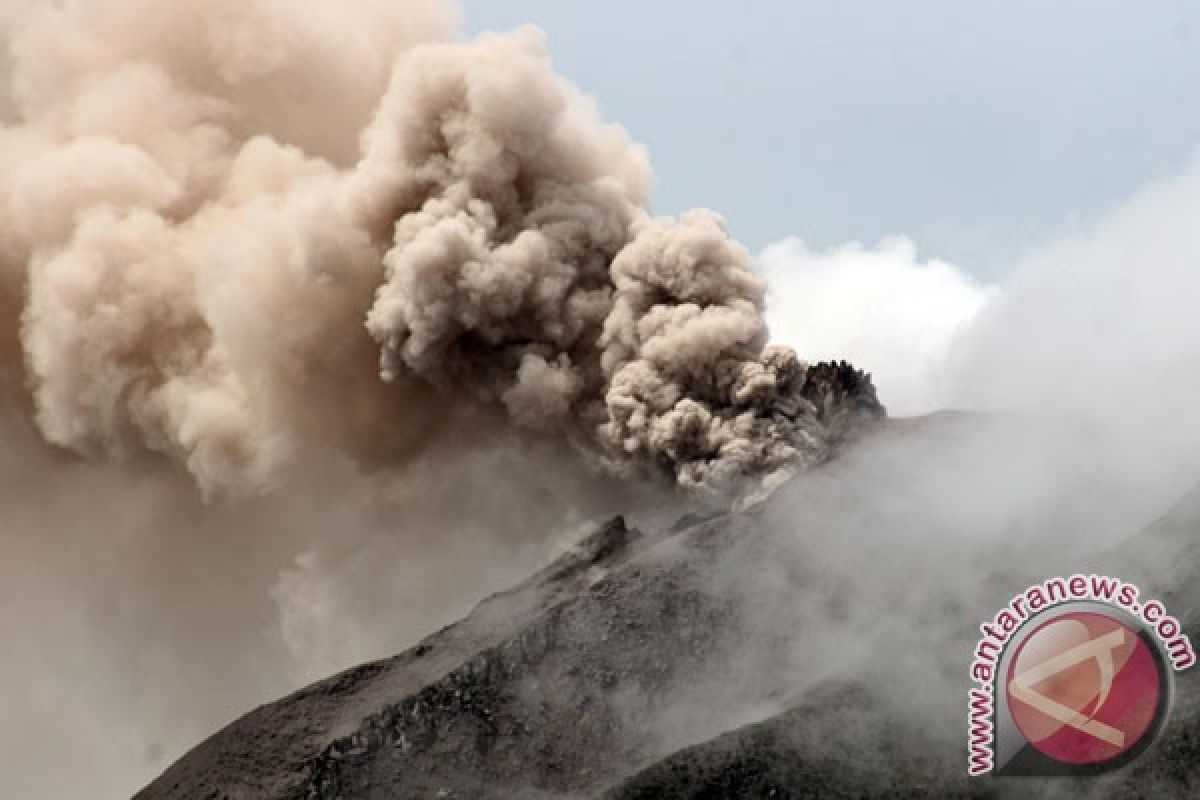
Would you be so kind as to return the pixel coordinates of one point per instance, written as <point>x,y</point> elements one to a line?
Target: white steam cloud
<point>1096,327</point>
<point>882,308</point>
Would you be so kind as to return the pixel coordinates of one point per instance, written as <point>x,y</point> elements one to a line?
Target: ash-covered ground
<point>814,645</point>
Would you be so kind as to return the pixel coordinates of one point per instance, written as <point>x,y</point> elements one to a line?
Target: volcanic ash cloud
<point>216,238</point>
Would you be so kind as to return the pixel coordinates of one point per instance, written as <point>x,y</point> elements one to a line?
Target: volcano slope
<point>813,645</point>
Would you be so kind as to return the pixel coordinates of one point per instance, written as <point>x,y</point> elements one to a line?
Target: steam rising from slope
<point>200,242</point>
<point>879,568</point>
<point>1087,352</point>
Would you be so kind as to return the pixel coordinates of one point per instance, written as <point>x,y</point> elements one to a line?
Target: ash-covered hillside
<point>814,645</point>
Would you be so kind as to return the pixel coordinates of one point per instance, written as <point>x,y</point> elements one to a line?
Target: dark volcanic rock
<point>836,744</point>
<point>540,690</point>
<point>566,685</point>
<point>845,399</point>
<point>552,709</point>
<point>842,743</point>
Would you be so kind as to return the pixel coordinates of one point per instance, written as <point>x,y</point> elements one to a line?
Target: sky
<point>979,131</point>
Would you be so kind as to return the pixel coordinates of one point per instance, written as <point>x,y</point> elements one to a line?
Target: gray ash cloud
<point>222,237</point>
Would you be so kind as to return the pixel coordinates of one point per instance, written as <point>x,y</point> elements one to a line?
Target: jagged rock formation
<point>566,685</point>
<point>844,397</point>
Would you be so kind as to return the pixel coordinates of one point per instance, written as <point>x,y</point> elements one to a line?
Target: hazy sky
<point>979,129</point>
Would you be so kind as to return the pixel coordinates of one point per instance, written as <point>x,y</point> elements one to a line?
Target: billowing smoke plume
<point>220,222</point>
<point>217,235</point>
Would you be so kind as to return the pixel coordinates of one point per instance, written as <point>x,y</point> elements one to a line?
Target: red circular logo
<point>1084,688</point>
